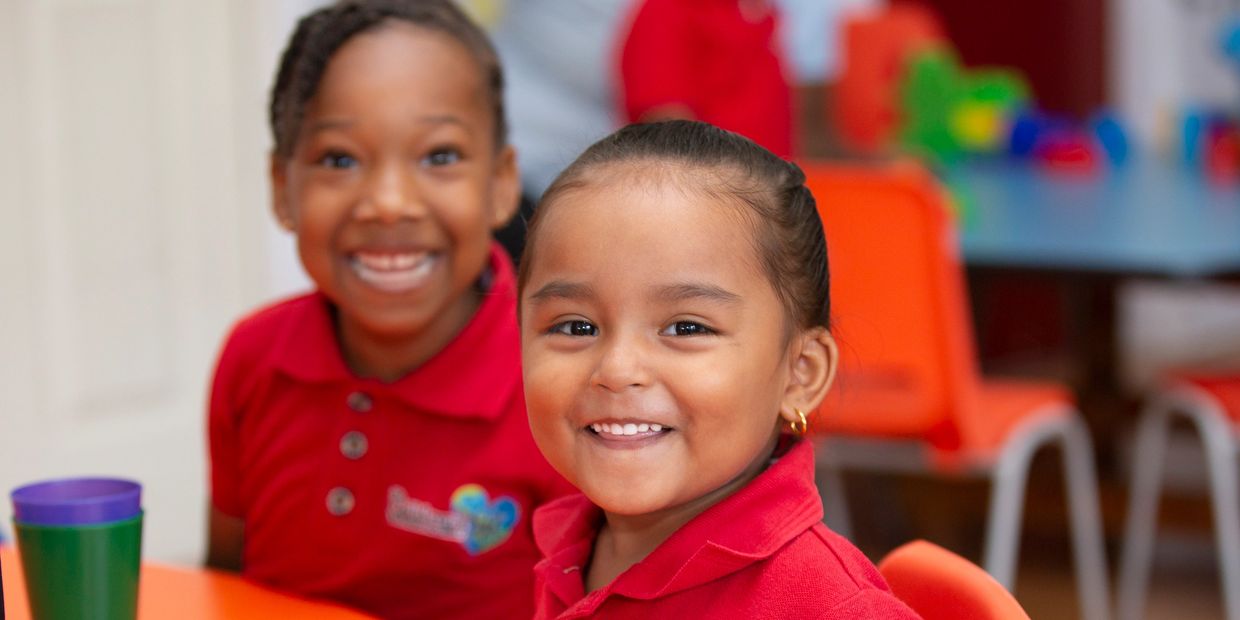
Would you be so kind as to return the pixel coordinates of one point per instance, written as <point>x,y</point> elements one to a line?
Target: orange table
<point>188,594</point>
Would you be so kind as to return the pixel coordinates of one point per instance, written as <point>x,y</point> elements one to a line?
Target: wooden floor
<point>1184,584</point>
<point>890,510</point>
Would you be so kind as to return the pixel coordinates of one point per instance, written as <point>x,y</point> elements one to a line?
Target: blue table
<point>1024,227</point>
<point>1146,218</point>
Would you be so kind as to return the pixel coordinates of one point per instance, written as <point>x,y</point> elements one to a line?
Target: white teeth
<point>627,429</point>
<point>388,261</point>
<point>393,272</point>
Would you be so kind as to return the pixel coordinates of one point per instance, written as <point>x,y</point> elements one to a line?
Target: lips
<point>393,272</point>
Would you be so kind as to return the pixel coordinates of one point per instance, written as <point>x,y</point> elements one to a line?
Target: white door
<point>133,230</point>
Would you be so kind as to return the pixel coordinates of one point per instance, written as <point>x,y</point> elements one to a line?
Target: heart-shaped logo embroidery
<point>490,522</point>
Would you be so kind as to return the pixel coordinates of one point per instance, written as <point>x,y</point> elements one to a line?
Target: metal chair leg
<point>1087,541</point>
<point>1218,440</point>
<point>1007,503</point>
<point>1220,444</point>
<point>1149,450</point>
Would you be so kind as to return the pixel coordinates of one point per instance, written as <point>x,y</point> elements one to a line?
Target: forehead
<point>653,226</point>
<point>401,63</point>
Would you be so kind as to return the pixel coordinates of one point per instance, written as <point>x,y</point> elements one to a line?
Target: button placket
<point>353,445</point>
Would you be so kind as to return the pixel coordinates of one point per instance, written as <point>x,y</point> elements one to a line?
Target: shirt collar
<point>747,527</point>
<point>474,376</point>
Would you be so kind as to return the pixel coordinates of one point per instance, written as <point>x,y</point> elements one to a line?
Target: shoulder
<point>254,337</point>
<point>265,323</point>
<point>847,584</point>
<point>837,552</point>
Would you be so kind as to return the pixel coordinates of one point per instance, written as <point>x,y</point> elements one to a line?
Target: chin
<point>624,501</point>
<point>399,323</point>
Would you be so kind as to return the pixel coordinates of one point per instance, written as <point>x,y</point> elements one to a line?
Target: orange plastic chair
<point>940,585</point>
<point>909,396</point>
<point>876,46</point>
<point>1210,402</point>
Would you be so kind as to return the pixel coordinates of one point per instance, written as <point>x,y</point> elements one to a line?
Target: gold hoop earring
<point>799,427</point>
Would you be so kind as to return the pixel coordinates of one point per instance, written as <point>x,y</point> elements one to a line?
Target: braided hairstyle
<point>733,170</point>
<point>321,33</point>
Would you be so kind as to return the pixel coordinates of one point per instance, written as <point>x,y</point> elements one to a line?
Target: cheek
<point>318,212</point>
<point>734,384</point>
<point>546,392</point>
<point>466,209</point>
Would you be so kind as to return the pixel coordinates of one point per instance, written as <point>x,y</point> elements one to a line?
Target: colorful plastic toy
<point>948,111</point>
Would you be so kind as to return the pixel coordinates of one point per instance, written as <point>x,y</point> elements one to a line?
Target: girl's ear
<point>505,188</point>
<point>279,192</point>
<point>815,360</point>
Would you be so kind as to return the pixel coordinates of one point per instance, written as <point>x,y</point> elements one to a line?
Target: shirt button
<point>360,402</point>
<point>353,445</point>
<point>340,501</point>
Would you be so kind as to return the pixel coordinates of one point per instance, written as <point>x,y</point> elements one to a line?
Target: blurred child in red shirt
<point>369,442</point>
<point>717,61</point>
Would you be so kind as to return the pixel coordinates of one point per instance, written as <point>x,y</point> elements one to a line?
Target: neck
<point>390,356</point>
<point>625,540</point>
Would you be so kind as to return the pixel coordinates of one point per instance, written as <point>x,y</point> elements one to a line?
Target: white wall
<point>135,229</point>
<point>1164,55</point>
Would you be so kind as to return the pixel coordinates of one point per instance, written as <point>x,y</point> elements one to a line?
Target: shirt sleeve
<point>223,433</point>
<point>656,61</point>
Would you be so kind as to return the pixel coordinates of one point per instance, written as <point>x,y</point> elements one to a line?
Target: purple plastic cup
<point>77,501</point>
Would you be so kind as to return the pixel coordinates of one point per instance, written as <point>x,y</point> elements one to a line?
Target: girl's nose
<point>391,194</point>
<point>621,365</point>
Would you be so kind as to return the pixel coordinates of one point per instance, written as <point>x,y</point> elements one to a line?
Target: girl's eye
<point>575,328</point>
<point>686,328</point>
<point>443,157</point>
<point>338,160</point>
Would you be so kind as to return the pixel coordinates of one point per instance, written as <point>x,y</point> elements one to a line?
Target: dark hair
<point>770,191</point>
<point>319,34</point>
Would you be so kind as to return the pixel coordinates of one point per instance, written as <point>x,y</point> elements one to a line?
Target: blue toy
<point>1111,137</point>
<point>1231,40</point>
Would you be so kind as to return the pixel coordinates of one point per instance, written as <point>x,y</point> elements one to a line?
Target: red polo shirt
<point>761,553</point>
<point>404,499</point>
<point>721,63</point>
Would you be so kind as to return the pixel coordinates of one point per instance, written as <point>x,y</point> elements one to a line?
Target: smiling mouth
<point>627,430</point>
<point>393,272</point>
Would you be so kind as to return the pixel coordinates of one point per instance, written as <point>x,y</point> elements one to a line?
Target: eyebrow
<point>560,289</point>
<point>330,123</point>
<point>344,123</point>
<point>692,290</point>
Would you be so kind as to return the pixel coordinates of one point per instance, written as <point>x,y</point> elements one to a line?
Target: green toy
<point>948,111</point>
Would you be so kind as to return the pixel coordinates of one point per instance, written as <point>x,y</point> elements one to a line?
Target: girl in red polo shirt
<point>674,304</point>
<point>369,442</point>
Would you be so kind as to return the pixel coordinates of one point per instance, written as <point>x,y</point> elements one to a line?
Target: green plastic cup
<point>80,543</point>
<point>76,572</point>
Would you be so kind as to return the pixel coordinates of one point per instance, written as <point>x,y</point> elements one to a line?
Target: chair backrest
<point>940,585</point>
<point>900,313</point>
<point>876,46</point>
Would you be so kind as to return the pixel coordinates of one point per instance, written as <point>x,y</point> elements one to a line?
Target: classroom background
<point>137,226</point>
